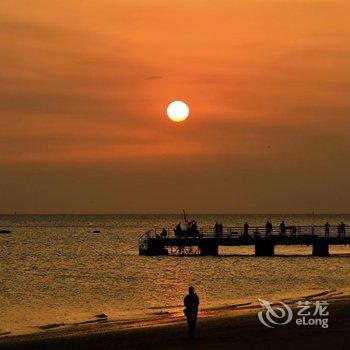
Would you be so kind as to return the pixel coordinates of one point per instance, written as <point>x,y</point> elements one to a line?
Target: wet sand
<point>216,330</point>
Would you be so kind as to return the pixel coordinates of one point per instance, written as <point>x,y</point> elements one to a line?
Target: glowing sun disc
<point>178,111</point>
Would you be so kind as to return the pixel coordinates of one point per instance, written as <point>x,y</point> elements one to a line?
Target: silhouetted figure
<point>221,230</point>
<point>216,229</point>
<point>245,229</point>
<point>178,230</point>
<point>293,231</point>
<point>342,229</point>
<point>192,228</point>
<point>268,228</point>
<point>191,303</point>
<point>326,229</point>
<point>164,233</point>
<point>195,228</point>
<point>282,228</point>
<point>339,229</point>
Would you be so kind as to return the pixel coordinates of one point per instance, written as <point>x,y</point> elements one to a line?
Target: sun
<point>178,111</point>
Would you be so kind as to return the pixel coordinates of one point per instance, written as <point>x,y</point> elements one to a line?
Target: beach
<point>226,328</point>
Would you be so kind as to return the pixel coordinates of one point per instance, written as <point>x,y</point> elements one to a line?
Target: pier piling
<point>209,248</point>
<point>264,247</point>
<point>320,248</point>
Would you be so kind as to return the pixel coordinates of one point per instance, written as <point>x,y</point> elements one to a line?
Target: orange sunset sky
<point>84,87</point>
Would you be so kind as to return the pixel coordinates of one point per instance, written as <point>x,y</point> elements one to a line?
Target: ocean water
<point>53,269</point>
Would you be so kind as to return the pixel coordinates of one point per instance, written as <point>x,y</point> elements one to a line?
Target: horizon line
<point>243,213</point>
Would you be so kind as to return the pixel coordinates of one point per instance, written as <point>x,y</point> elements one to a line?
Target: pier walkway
<point>206,242</point>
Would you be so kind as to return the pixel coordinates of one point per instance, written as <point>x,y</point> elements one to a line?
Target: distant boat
<point>5,231</point>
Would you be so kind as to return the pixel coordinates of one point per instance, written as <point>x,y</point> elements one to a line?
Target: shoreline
<point>135,335</point>
<point>160,315</point>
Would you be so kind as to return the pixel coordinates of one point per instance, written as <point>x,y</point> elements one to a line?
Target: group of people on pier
<point>269,229</point>
<point>192,230</point>
<point>341,228</point>
<point>219,229</point>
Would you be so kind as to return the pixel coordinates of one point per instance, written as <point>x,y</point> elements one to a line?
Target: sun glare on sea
<point>178,111</point>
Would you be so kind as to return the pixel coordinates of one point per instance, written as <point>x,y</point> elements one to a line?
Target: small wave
<point>338,293</point>
<point>164,307</point>
<point>51,325</point>
<point>323,293</point>
<point>99,320</point>
<point>101,316</point>
<point>227,307</point>
<point>2,333</point>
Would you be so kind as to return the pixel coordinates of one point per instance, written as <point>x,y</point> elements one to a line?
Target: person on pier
<point>192,229</point>
<point>339,230</point>
<point>268,228</point>
<point>343,228</point>
<point>245,229</point>
<point>164,233</point>
<point>282,228</point>
<point>195,228</point>
<point>293,231</point>
<point>216,229</point>
<point>326,229</point>
<point>221,230</point>
<point>178,230</point>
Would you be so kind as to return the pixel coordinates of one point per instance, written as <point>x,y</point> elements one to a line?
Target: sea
<point>55,271</point>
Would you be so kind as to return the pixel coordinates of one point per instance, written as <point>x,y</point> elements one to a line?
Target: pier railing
<point>206,240</point>
<point>237,231</point>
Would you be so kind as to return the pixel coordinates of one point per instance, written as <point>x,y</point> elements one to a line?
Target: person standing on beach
<point>191,303</point>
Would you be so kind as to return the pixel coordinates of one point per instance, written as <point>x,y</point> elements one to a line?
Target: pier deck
<point>206,242</point>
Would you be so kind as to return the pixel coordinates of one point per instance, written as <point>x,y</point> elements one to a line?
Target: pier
<point>207,243</point>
